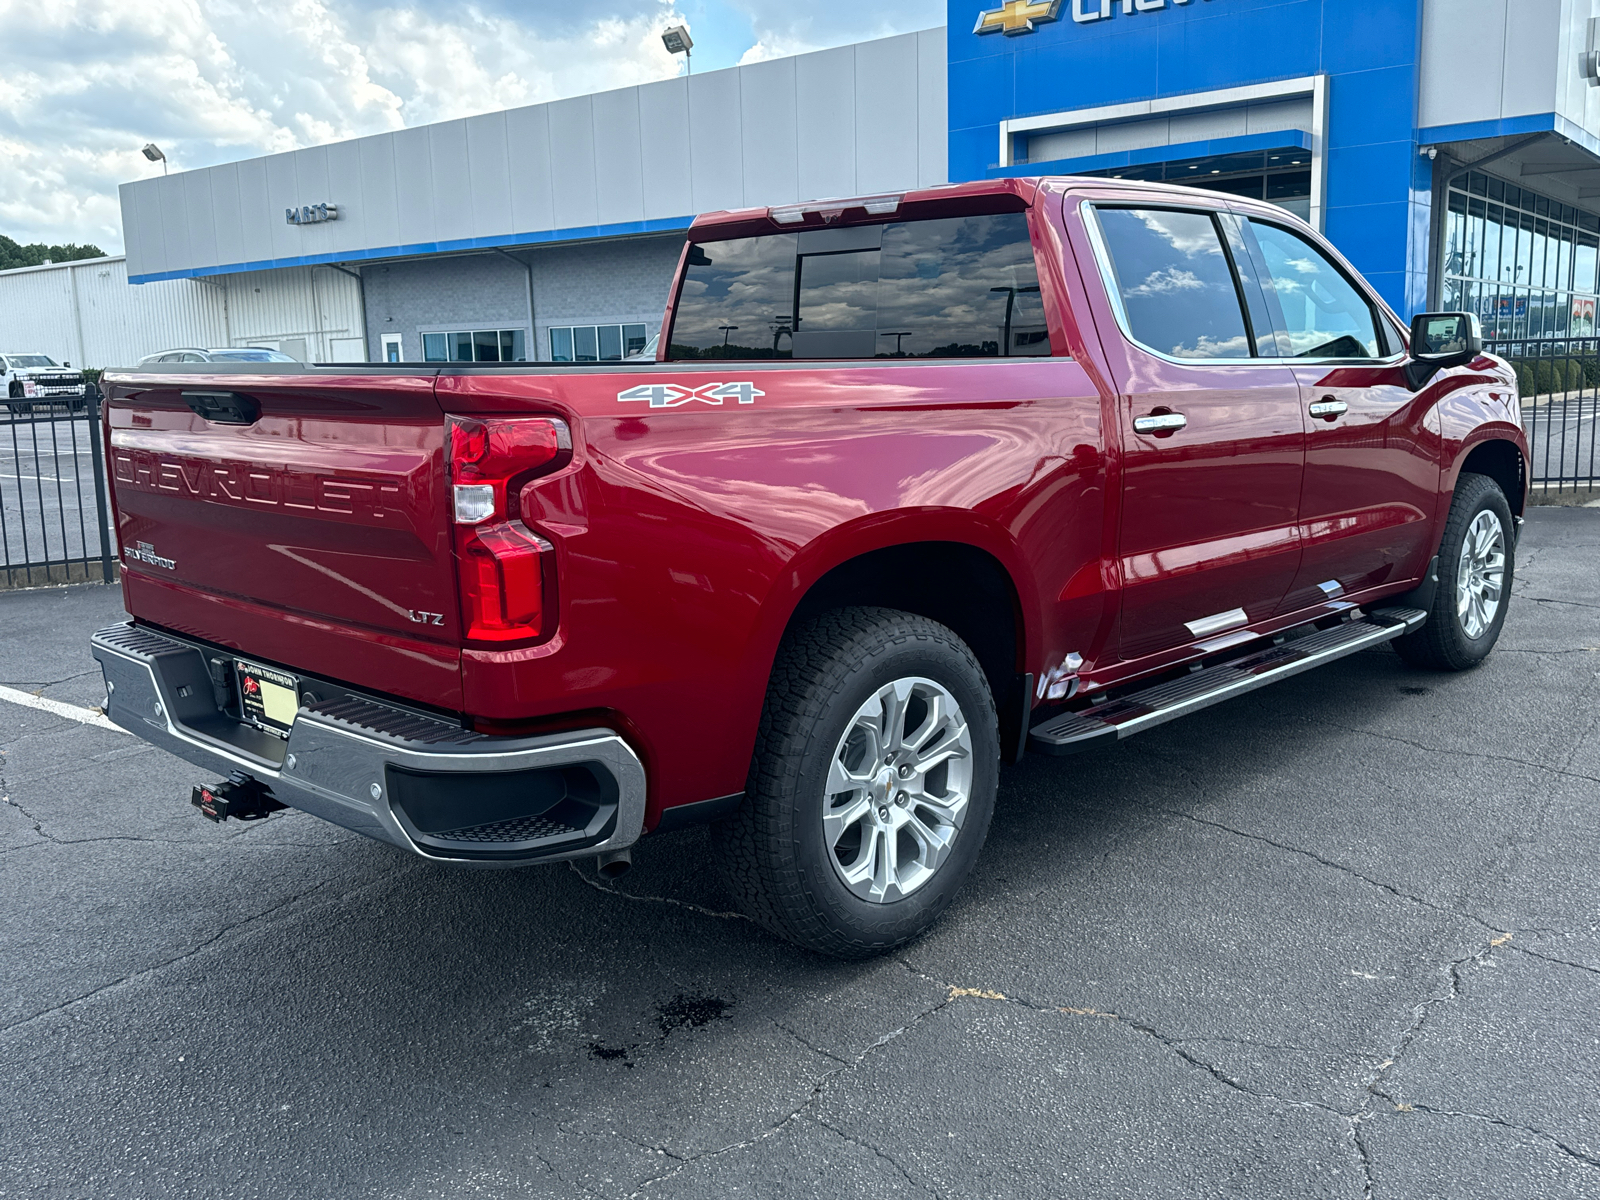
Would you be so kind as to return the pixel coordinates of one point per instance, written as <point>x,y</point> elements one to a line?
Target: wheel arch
<point>989,601</point>
<point>1500,458</point>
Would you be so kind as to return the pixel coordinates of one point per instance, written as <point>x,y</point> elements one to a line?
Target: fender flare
<point>883,531</point>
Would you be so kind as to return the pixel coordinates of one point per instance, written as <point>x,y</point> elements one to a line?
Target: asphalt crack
<point>1363,1155</point>
<point>161,966</point>
<point>817,1091</point>
<point>1549,600</point>
<point>1332,864</point>
<point>1504,758</point>
<point>1563,962</point>
<point>1425,1009</point>
<point>815,1049</point>
<point>699,908</point>
<point>887,1157</point>
<point>1588,1160</point>
<point>35,688</point>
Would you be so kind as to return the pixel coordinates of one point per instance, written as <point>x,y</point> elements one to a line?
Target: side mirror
<point>1440,340</point>
<point>65,363</point>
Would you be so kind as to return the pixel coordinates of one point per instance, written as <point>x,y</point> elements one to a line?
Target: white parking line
<point>71,711</point>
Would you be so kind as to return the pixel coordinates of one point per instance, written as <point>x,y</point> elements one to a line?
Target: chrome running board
<point>1125,716</point>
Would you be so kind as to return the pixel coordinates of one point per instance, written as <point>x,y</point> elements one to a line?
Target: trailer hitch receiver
<point>239,797</point>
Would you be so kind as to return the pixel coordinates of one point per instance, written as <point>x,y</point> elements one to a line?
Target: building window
<point>596,343</point>
<point>1526,264</point>
<point>1281,177</point>
<point>475,345</point>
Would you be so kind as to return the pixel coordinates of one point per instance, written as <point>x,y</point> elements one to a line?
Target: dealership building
<point>1450,149</point>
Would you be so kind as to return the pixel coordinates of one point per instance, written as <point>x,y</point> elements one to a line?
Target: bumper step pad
<point>517,829</point>
<point>1124,716</point>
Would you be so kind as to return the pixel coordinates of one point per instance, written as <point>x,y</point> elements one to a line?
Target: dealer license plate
<point>268,699</point>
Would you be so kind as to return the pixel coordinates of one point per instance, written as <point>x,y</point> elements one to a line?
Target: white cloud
<point>1165,282</point>
<point>783,28</point>
<point>85,83</point>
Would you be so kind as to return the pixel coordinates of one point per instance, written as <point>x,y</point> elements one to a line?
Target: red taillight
<point>506,570</point>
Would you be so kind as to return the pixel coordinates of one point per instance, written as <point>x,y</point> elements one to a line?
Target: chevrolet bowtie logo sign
<point>1017,16</point>
<point>1020,16</point>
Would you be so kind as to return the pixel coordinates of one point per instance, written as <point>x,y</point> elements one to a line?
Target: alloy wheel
<point>898,789</point>
<point>1480,574</point>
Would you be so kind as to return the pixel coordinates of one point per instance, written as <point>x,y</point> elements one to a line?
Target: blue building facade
<point>1365,55</point>
<point>1450,149</point>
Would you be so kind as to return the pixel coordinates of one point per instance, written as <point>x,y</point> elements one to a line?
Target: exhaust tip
<point>614,864</point>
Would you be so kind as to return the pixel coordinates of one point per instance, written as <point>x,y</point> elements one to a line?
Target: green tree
<point>13,255</point>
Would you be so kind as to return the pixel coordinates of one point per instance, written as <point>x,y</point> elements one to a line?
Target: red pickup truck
<point>916,484</point>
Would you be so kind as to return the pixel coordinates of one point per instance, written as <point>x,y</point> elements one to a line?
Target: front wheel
<point>872,784</point>
<point>1477,559</point>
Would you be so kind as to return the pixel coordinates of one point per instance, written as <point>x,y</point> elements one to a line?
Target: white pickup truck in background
<point>27,379</point>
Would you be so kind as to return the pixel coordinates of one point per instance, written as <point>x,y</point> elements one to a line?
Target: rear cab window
<point>952,287</point>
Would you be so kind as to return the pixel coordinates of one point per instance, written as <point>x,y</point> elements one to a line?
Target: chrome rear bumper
<point>352,759</point>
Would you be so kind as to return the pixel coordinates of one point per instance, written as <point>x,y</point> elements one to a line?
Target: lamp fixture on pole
<point>154,154</point>
<point>677,41</point>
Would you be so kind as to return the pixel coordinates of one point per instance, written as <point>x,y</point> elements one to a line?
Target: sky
<point>85,83</point>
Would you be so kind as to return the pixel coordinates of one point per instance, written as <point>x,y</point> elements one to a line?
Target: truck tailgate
<point>315,534</point>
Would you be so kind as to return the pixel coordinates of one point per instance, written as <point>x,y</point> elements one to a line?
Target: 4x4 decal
<point>671,395</point>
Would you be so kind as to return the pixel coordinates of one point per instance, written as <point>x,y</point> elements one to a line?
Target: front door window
<point>1319,312</point>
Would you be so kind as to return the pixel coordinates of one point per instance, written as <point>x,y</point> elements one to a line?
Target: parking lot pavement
<point>1338,938</point>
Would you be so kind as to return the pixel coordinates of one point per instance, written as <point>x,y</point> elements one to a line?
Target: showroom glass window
<point>946,288</point>
<point>1524,262</point>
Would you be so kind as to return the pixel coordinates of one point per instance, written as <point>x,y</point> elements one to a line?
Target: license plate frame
<point>263,703</point>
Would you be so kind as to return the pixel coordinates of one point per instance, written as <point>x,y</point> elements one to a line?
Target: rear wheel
<point>1477,560</point>
<point>872,784</point>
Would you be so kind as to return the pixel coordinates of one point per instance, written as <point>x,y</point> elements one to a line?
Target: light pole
<point>1011,300</point>
<point>898,341</point>
<point>677,41</point>
<point>726,330</point>
<point>154,154</point>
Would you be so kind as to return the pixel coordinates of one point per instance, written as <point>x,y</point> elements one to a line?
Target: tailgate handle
<point>225,408</point>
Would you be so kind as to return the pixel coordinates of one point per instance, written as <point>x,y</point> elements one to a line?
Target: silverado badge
<point>146,553</point>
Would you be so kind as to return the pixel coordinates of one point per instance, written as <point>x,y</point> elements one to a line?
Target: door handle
<point>1160,423</point>
<point>1328,408</point>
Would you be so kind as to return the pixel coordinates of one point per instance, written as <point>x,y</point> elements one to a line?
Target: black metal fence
<point>1560,386</point>
<point>55,523</point>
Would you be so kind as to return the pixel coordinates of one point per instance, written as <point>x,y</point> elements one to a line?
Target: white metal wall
<point>1486,60</point>
<point>318,305</point>
<point>87,314</point>
<point>861,118</point>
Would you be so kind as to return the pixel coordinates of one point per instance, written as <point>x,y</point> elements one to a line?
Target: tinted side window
<point>1175,283</point>
<point>1320,314</point>
<point>737,300</point>
<point>955,287</point>
<point>961,287</point>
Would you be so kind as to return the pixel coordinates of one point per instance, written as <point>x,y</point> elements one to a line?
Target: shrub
<point>1524,380</point>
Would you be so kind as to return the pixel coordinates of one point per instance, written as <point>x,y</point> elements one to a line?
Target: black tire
<point>773,849</point>
<point>1443,643</point>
